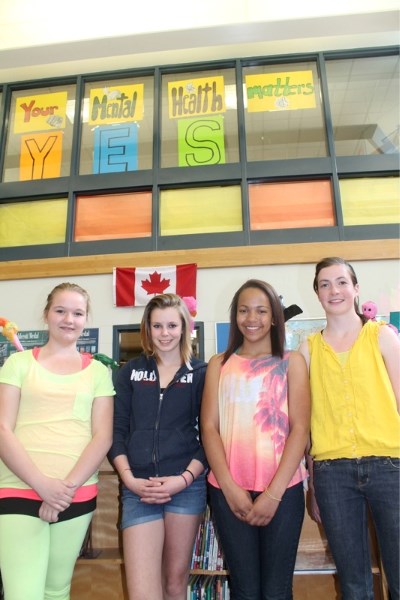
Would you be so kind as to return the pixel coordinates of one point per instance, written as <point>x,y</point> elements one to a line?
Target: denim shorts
<point>190,501</point>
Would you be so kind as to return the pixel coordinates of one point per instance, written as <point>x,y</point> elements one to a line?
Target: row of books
<point>207,554</point>
<point>209,587</point>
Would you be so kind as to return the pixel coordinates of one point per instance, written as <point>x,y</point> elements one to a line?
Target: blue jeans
<point>191,500</point>
<point>344,489</point>
<point>260,560</point>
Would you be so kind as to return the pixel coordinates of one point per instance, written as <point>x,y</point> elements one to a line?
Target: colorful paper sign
<point>40,156</point>
<point>118,104</point>
<point>40,112</point>
<point>201,141</point>
<point>292,90</point>
<point>191,97</point>
<point>115,148</point>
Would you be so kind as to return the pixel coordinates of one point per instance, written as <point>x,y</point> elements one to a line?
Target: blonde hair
<point>163,301</point>
<point>66,287</point>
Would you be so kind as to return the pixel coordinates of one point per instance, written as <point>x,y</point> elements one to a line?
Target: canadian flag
<point>135,286</point>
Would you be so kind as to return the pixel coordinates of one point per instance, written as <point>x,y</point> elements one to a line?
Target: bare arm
<point>238,499</point>
<point>299,430</point>
<point>305,352</point>
<point>389,345</point>
<point>313,506</point>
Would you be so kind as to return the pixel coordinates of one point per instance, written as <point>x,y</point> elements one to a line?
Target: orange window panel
<point>290,205</point>
<point>113,216</point>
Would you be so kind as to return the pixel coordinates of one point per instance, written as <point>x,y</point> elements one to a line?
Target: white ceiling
<point>52,40</point>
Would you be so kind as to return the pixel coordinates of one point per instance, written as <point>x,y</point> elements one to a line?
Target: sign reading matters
<point>292,90</point>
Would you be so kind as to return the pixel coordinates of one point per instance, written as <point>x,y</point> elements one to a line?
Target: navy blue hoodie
<point>158,432</point>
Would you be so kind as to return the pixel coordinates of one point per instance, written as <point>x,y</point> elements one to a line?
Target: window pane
<point>364,101</point>
<point>290,205</point>
<point>117,126</point>
<point>283,112</point>
<point>33,223</point>
<point>370,201</point>
<point>113,216</point>
<point>201,210</point>
<point>39,138</point>
<point>199,123</point>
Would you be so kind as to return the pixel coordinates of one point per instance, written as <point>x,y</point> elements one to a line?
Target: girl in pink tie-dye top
<point>255,426</point>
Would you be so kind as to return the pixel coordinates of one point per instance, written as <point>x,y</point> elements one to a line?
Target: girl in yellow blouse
<point>355,431</point>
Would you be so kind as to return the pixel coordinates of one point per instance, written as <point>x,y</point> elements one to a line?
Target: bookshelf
<point>100,574</point>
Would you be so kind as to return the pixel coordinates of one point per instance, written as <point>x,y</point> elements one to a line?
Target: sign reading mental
<point>116,105</point>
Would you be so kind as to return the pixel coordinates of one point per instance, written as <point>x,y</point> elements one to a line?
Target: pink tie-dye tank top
<point>253,419</point>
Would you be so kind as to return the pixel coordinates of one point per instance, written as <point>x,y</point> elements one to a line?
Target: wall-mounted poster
<point>296,331</point>
<point>88,342</point>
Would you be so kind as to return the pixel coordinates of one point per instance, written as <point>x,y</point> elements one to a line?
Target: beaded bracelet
<point>268,493</point>
<point>190,472</point>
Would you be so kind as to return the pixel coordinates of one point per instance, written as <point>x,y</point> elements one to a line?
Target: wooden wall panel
<point>238,256</point>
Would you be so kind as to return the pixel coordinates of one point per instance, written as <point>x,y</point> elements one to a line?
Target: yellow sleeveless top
<point>354,410</point>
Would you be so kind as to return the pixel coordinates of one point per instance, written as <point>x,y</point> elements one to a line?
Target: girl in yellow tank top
<point>355,431</point>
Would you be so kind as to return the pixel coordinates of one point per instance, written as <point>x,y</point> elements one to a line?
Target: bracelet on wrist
<point>268,493</point>
<point>190,473</point>
<point>185,480</point>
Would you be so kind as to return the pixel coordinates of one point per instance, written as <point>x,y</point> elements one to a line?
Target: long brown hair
<point>330,261</point>
<point>163,301</point>
<point>277,329</point>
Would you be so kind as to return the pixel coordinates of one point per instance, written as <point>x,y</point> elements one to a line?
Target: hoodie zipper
<point>157,423</point>
<point>156,429</point>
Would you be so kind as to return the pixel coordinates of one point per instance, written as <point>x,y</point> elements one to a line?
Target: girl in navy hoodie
<point>158,455</point>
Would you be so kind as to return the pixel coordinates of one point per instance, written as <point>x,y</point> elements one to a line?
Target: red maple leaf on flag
<point>154,284</point>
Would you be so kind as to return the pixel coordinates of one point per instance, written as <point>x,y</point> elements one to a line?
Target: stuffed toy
<point>9,330</point>
<point>369,310</point>
<point>191,303</point>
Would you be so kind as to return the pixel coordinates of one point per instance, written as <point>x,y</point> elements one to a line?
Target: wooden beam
<point>206,258</point>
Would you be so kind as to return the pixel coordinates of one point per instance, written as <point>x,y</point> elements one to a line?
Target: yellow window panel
<point>201,210</point>
<point>370,201</point>
<point>33,223</point>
